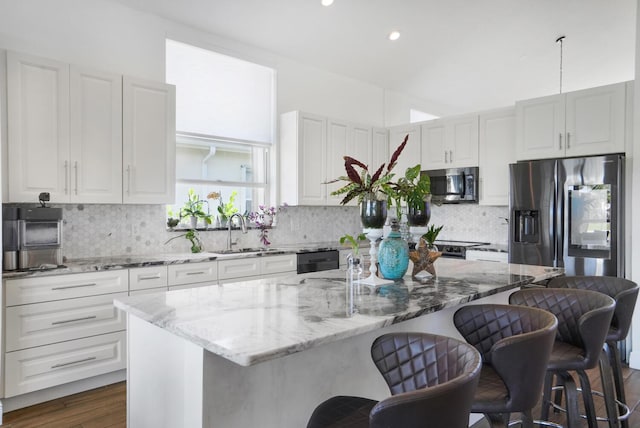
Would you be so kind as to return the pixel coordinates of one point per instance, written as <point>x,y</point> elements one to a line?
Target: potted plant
<point>193,237</point>
<point>430,237</point>
<point>353,242</point>
<point>172,218</point>
<point>227,209</point>
<point>415,189</point>
<point>263,219</point>
<point>194,209</point>
<point>368,188</point>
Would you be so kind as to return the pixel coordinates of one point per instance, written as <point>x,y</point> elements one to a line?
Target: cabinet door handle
<point>84,360</point>
<point>144,278</point>
<point>75,168</point>
<point>451,156</point>
<point>66,177</point>
<point>445,157</point>
<point>196,273</point>
<point>66,287</point>
<point>568,139</point>
<point>560,141</point>
<point>91,317</point>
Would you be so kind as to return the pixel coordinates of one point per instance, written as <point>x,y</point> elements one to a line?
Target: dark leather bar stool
<point>515,343</point>
<point>583,322</point>
<point>625,293</point>
<point>432,380</point>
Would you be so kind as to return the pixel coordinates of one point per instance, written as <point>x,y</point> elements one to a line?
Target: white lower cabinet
<point>46,366</point>
<point>250,268</point>
<point>152,278</point>
<point>192,273</point>
<point>278,264</point>
<point>50,322</point>
<point>59,287</point>
<point>238,268</point>
<point>62,328</point>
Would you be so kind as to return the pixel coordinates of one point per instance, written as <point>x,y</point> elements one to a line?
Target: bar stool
<point>584,317</point>
<point>432,380</point>
<point>625,293</point>
<point>515,343</point>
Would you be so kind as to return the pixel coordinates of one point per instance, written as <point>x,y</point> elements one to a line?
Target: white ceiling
<point>464,55</point>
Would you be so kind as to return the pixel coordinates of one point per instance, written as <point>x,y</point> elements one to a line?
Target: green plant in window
<point>227,209</point>
<point>194,207</point>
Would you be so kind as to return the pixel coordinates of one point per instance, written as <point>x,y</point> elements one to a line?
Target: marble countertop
<point>95,264</point>
<point>254,321</point>
<point>497,248</point>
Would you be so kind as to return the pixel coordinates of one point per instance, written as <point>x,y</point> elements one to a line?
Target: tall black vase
<point>419,214</point>
<point>373,213</point>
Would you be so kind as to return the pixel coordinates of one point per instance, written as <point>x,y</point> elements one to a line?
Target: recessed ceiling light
<point>394,35</point>
<point>326,2</point>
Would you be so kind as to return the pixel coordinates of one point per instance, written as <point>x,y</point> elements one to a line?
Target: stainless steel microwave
<point>453,185</point>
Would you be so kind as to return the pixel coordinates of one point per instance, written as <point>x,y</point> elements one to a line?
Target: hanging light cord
<point>560,40</point>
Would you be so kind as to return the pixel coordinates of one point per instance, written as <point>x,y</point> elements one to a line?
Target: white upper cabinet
<point>65,132</point>
<point>312,151</point>
<point>345,139</point>
<point>66,135</point>
<point>410,156</point>
<point>95,159</point>
<point>148,141</point>
<point>338,146</point>
<point>38,128</point>
<point>303,159</point>
<point>580,123</point>
<point>496,151</point>
<point>379,147</point>
<point>450,143</point>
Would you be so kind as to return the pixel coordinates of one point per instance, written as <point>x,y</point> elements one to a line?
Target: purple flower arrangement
<point>263,219</point>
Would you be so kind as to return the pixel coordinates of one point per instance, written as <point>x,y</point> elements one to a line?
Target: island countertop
<point>260,320</point>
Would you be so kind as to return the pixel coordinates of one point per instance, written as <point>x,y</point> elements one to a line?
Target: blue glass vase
<point>393,255</point>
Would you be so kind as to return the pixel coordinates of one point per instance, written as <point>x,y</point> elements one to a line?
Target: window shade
<point>219,95</point>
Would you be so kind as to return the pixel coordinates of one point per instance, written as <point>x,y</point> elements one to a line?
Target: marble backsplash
<point>111,230</point>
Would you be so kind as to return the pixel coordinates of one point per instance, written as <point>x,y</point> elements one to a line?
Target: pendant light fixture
<point>560,41</point>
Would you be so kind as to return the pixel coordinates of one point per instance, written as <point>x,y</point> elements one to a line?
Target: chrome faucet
<point>243,225</point>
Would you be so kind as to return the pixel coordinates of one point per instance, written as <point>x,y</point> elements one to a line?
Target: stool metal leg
<point>571,394</point>
<point>606,376</point>
<point>616,366</point>
<point>587,398</point>
<point>546,396</point>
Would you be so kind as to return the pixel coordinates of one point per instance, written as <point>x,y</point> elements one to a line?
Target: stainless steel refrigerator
<point>568,213</point>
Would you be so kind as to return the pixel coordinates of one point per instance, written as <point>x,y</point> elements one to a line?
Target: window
<point>225,126</point>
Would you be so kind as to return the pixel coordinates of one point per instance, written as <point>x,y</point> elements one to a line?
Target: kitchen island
<point>266,352</point>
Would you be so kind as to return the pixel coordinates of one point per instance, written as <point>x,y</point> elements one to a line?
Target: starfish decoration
<point>423,259</point>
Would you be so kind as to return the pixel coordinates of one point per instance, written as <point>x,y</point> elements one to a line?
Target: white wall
<point>634,274</point>
<point>112,37</point>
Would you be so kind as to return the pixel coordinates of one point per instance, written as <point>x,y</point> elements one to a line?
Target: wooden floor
<point>106,408</point>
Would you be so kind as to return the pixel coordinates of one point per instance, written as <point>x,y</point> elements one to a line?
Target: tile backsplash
<point>110,230</point>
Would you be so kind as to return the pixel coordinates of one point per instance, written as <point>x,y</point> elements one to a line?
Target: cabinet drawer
<point>278,264</point>
<point>238,268</point>
<point>58,287</point>
<point>46,366</point>
<point>45,323</point>
<point>190,273</point>
<point>148,277</point>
